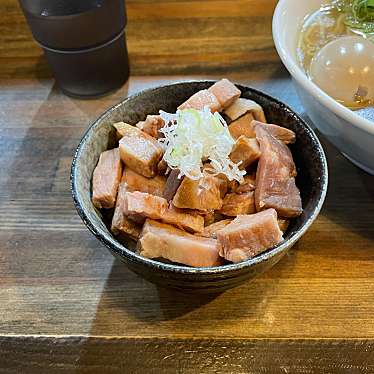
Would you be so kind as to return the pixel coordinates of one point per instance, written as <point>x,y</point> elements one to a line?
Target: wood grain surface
<point>67,306</point>
<point>170,356</point>
<point>163,37</point>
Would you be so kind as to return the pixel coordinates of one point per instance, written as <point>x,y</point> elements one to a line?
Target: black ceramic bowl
<point>312,181</point>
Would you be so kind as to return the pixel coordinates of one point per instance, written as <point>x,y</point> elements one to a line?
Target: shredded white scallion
<point>192,137</point>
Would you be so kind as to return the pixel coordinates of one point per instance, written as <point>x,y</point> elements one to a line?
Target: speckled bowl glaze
<point>100,136</point>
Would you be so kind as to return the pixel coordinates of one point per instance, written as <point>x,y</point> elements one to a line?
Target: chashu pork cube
<point>201,99</point>
<point>209,217</point>
<point>139,151</point>
<point>172,184</point>
<point>151,125</point>
<point>136,182</point>
<point>283,224</point>
<point>242,106</point>
<point>202,194</point>
<point>246,151</point>
<point>162,167</point>
<point>210,231</point>
<point>224,182</point>
<point>287,136</point>
<point>246,126</point>
<point>232,186</point>
<point>121,225</point>
<point>275,179</point>
<point>139,206</point>
<point>124,129</point>
<point>235,204</point>
<point>225,91</point>
<point>185,220</point>
<point>159,240</point>
<point>248,185</point>
<point>106,179</point>
<point>248,235</point>
<point>242,126</point>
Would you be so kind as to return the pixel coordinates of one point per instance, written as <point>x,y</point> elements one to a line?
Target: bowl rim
<point>299,75</point>
<point>131,256</point>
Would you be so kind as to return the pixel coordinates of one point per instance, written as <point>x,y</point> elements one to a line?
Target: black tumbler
<point>84,42</point>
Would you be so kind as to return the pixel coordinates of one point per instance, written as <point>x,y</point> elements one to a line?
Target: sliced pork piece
<point>242,106</point>
<point>162,167</point>
<point>120,223</point>
<point>242,126</point>
<point>172,184</point>
<point>211,230</point>
<point>151,125</point>
<point>281,133</point>
<point>106,179</point>
<point>223,186</point>
<point>225,91</point>
<point>218,216</point>
<point>246,124</point>
<point>165,241</point>
<point>123,129</point>
<point>209,171</point>
<point>139,151</point>
<point>141,205</point>
<point>202,194</point>
<point>232,186</point>
<point>248,185</point>
<point>183,219</point>
<point>248,235</point>
<point>136,182</point>
<point>283,224</point>
<point>275,180</point>
<point>246,151</point>
<point>235,204</point>
<point>200,100</point>
<point>209,217</point>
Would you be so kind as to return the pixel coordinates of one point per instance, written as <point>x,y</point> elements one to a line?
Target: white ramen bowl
<point>350,133</point>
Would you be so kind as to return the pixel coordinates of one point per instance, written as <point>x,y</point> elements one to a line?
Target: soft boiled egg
<point>344,69</point>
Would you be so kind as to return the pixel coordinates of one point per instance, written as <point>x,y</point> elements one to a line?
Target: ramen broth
<point>319,29</point>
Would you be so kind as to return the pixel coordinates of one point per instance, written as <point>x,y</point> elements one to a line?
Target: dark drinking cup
<point>84,42</point>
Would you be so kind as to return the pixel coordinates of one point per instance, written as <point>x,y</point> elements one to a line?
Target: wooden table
<point>67,306</point>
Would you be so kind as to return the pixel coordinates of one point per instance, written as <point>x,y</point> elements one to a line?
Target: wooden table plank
<point>66,305</point>
<point>52,267</point>
<point>96,355</point>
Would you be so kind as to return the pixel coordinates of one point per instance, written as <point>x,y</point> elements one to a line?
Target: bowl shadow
<point>129,302</point>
